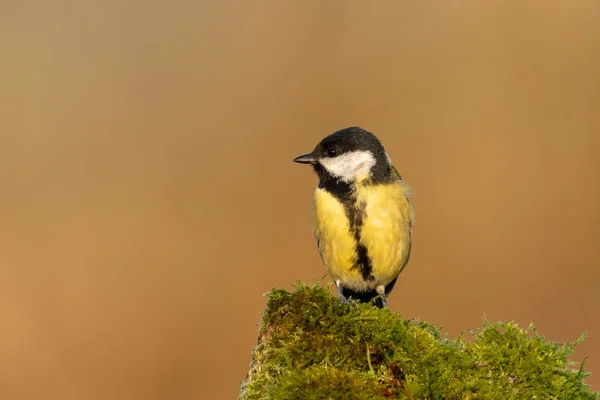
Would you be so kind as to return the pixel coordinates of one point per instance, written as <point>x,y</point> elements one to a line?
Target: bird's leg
<point>343,299</point>
<point>341,296</point>
<point>381,290</point>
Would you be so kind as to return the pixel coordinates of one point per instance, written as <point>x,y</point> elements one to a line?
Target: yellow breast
<point>336,242</point>
<point>386,230</point>
<point>385,233</point>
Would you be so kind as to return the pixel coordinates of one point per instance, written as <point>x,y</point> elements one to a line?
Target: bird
<point>362,217</point>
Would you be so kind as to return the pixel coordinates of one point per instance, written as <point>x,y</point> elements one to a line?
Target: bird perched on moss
<point>362,216</point>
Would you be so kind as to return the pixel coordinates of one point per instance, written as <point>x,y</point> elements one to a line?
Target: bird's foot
<point>348,302</point>
<point>382,300</point>
<point>343,299</point>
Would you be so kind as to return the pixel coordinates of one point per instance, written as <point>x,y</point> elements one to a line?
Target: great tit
<point>362,216</point>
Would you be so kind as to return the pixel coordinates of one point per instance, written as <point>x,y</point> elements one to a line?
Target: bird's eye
<point>332,152</point>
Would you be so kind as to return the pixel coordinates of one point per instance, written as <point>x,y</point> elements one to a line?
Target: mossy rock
<point>311,346</point>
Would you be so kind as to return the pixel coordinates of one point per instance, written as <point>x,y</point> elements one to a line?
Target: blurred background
<point>148,198</point>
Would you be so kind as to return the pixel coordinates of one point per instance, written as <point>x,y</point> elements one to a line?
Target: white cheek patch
<point>349,166</point>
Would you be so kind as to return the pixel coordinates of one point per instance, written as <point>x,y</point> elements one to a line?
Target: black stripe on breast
<point>356,213</point>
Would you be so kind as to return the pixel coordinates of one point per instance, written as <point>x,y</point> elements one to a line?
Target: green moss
<point>313,347</point>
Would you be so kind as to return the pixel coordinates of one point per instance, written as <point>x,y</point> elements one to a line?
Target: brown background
<point>148,198</point>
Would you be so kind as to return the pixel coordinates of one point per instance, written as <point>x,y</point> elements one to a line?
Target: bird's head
<point>349,155</point>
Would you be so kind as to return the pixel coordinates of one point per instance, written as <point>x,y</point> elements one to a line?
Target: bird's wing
<point>395,173</point>
<point>407,192</point>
